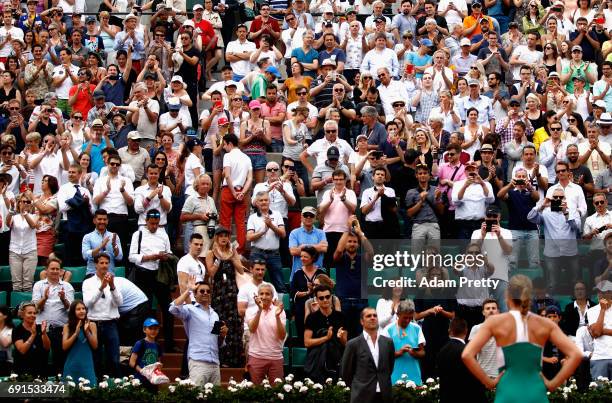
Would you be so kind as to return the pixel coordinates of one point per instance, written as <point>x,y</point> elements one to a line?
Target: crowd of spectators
<point>216,147</point>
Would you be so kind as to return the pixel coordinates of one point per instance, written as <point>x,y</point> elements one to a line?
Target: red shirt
<point>258,23</point>
<point>206,32</point>
<point>84,100</point>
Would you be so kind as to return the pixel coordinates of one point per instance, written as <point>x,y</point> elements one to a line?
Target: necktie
<point>77,189</point>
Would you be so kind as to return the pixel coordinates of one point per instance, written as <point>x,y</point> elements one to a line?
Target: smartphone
<point>489,225</point>
<point>216,328</point>
<point>519,181</point>
<point>555,205</point>
<point>472,175</point>
<point>600,20</point>
<point>109,116</point>
<point>410,69</point>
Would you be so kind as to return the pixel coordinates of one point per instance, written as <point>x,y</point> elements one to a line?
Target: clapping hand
<point>62,294</point>
<point>279,309</point>
<point>341,332</point>
<point>43,327</point>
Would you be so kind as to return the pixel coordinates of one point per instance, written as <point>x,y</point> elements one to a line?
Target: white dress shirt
<point>151,244</point>
<point>113,203</point>
<point>277,200</point>
<point>573,195</point>
<point>54,311</point>
<point>597,221</point>
<point>142,205</point>
<point>23,237</point>
<point>474,203</point>
<point>66,192</point>
<point>101,305</point>
<point>374,351</point>
<point>366,198</point>
<point>270,240</point>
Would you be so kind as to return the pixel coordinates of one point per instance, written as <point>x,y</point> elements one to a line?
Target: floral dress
<point>225,303</point>
<point>45,228</point>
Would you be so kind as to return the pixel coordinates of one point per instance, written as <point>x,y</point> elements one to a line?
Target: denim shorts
<point>258,161</point>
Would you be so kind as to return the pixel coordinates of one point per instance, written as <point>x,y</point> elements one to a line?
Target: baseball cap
<point>174,104</point>
<point>190,132</point>
<point>222,121</point>
<point>89,19</point>
<point>379,19</point>
<point>600,103</point>
<point>579,77</point>
<point>604,286</point>
<point>426,42</point>
<point>192,143</point>
<point>188,23</point>
<point>230,83</point>
<point>476,4</point>
<point>474,82</point>
<point>152,76</point>
<point>333,153</point>
<point>309,209</point>
<point>127,17</point>
<point>328,62</point>
<point>465,42</point>
<point>97,94</point>
<point>149,322</point>
<point>553,74</point>
<point>514,102</point>
<point>361,136</point>
<point>198,7</point>
<point>273,70</point>
<point>133,135</point>
<point>222,230</point>
<point>97,122</point>
<point>553,309</point>
<point>576,47</point>
<point>254,104</point>
<point>486,147</point>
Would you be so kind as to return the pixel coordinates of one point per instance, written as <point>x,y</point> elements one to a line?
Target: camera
<point>519,181</point>
<point>555,205</point>
<point>211,225</point>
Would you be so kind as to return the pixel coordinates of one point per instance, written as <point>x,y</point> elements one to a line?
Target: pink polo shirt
<point>337,214</point>
<point>276,129</point>
<point>445,171</point>
<point>264,343</point>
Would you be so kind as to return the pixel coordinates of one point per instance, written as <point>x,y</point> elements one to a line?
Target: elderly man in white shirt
<point>574,195</point>
<point>103,300</point>
<point>471,197</point>
<point>150,247</point>
<point>152,195</point>
<point>598,225</point>
<point>389,91</point>
<point>318,149</point>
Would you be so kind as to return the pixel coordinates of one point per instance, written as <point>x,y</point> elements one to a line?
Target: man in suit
<point>454,375</point>
<point>368,362</point>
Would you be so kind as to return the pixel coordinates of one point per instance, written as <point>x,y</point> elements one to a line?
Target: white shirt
<point>240,166</point>
<point>151,244</point>
<point>113,202</point>
<point>54,312</point>
<point>487,358</point>
<point>318,149</point>
<point>395,90</point>
<point>247,294</point>
<point>602,346</point>
<point>16,33</point>
<point>370,194</point>
<point>145,127</point>
<point>573,195</point>
<point>4,211</point>
<point>452,17</point>
<point>192,266</point>
<point>525,56</point>
<point>125,170</point>
<point>373,346</point>
<point>494,252</point>
<point>242,67</point>
<point>595,163</point>
<point>277,200</point>
<point>292,38</point>
<point>193,162</point>
<point>474,202</point>
<point>101,305</point>
<point>142,205</point>
<point>23,238</point>
<point>63,90</point>
<point>256,223</point>
<point>438,81</point>
<point>597,221</point>
<point>354,51</point>
<point>165,120</point>
<point>375,59</point>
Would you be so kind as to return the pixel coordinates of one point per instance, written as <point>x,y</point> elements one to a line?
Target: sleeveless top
<point>4,97</point>
<point>255,147</point>
<point>522,364</point>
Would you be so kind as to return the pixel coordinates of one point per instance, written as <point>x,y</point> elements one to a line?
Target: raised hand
<point>43,327</point>
<point>279,309</point>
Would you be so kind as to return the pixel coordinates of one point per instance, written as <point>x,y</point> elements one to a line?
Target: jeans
<point>58,356</point>
<point>499,294</point>
<point>274,266</point>
<point>277,145</point>
<point>561,273</point>
<point>601,368</point>
<point>108,338</point>
<point>530,241</point>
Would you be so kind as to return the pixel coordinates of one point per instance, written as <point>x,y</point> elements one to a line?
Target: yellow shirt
<point>539,136</point>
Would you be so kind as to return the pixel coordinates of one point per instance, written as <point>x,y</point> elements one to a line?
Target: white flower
<point>267,386</point>
<point>593,385</point>
<point>130,377</point>
<point>118,381</point>
<point>125,379</point>
<point>265,381</point>
<point>329,381</point>
<point>287,388</point>
<point>436,386</point>
<point>303,389</point>
<point>423,393</point>
<point>410,385</point>
<point>15,376</point>
<point>308,381</point>
<point>298,385</point>
<point>81,379</point>
<point>105,377</point>
<point>248,384</point>
<point>71,384</point>
<point>85,388</point>
<point>200,396</point>
<point>565,396</point>
<point>232,382</point>
<point>404,376</point>
<point>232,389</point>
<point>602,378</point>
<point>208,385</point>
<point>278,380</point>
<point>341,383</point>
<point>171,388</point>
<point>280,396</point>
<point>103,385</point>
<point>317,386</point>
<point>135,382</point>
<point>399,382</point>
<point>289,378</point>
<point>566,389</point>
<point>38,380</point>
<point>430,380</point>
<point>347,389</point>
<point>208,391</point>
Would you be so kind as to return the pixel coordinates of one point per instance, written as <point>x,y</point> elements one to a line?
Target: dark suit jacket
<point>455,377</point>
<point>360,372</point>
<point>571,318</point>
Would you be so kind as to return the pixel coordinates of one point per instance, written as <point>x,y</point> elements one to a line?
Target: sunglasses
<point>382,75</point>
<point>399,105</point>
<point>272,170</point>
<point>338,89</point>
<point>555,129</point>
<point>289,167</point>
<point>302,93</point>
<point>599,203</point>
<point>557,197</point>
<point>114,164</point>
<point>331,131</point>
<point>77,117</point>
<point>25,201</point>
<point>160,159</point>
<point>560,171</point>
<point>204,292</point>
<point>451,154</point>
<point>324,297</point>
<point>14,109</point>
<point>308,215</point>
<point>7,153</point>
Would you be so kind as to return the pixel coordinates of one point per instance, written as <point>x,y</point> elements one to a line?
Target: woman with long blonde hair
<point>520,336</point>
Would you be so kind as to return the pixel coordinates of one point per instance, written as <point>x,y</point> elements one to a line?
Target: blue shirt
<point>132,295</point>
<point>336,54</point>
<point>306,58</point>
<point>94,239</point>
<point>414,58</point>
<point>115,92</point>
<point>300,236</point>
<point>199,322</point>
<point>97,162</point>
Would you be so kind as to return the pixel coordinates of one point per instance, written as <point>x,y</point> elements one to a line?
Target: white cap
<point>189,23</point>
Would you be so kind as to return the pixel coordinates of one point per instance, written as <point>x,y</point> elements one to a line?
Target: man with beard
<point>581,175</point>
